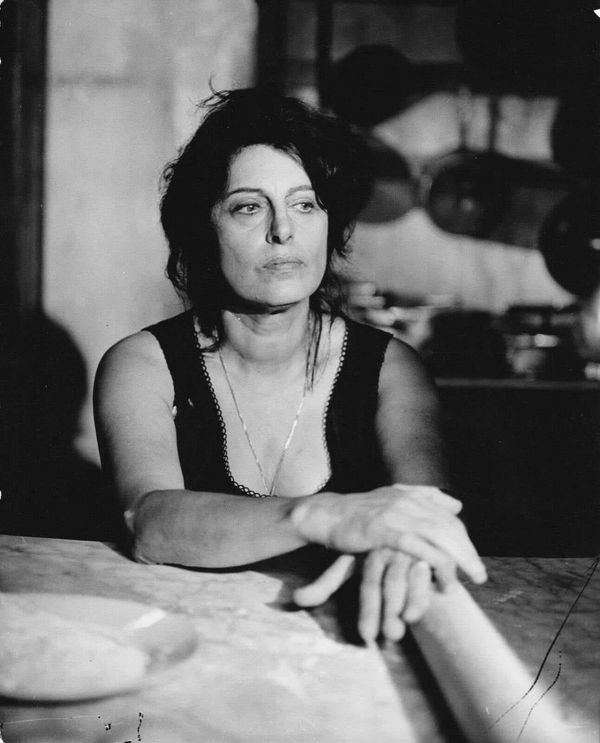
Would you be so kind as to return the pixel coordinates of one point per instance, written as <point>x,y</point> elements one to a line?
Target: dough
<point>46,657</point>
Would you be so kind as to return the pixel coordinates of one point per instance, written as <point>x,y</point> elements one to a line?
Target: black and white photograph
<point>300,371</point>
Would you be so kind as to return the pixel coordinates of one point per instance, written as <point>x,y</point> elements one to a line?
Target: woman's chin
<point>277,298</point>
<point>272,305</point>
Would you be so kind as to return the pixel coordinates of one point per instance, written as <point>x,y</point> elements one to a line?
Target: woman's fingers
<point>408,519</point>
<point>369,612</point>
<point>327,583</point>
<point>443,566</point>
<point>395,591</point>
<point>418,592</point>
<point>453,540</point>
<point>406,587</point>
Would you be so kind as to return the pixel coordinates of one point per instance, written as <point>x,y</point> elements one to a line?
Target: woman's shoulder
<point>399,365</point>
<point>366,339</point>
<point>133,363</point>
<point>141,347</point>
<point>173,323</point>
<point>151,344</point>
<point>404,369</point>
<point>364,347</point>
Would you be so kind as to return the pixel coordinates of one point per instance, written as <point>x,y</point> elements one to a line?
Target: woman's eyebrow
<point>250,189</point>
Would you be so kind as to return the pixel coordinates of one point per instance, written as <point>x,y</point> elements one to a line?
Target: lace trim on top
<point>243,488</point>
<point>326,408</point>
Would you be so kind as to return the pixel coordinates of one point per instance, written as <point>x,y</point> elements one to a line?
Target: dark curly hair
<point>332,154</point>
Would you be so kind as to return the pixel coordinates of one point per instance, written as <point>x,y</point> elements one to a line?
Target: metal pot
<point>570,241</point>
<point>369,84</point>
<point>465,192</point>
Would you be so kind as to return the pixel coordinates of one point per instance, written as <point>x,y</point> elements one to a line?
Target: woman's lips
<point>282,264</point>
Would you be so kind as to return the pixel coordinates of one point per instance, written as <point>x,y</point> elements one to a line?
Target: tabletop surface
<point>266,672</point>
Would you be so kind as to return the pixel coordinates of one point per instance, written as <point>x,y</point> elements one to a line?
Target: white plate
<point>73,647</point>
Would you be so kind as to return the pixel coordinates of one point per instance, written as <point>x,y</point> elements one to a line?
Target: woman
<point>263,388</point>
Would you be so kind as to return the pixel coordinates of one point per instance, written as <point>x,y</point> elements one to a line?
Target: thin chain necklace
<point>268,490</point>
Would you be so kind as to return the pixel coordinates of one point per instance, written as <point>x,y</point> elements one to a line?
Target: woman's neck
<point>268,341</point>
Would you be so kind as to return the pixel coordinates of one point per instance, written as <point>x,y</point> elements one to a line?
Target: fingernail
<point>411,617</point>
<point>480,576</point>
<point>367,635</point>
<point>398,634</point>
<point>367,638</point>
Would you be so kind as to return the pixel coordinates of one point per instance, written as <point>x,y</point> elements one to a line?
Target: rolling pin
<point>489,690</point>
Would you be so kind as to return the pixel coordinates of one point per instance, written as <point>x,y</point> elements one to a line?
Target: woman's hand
<point>394,591</point>
<point>418,521</point>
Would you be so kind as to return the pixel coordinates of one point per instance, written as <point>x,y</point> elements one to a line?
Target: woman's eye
<point>246,208</point>
<point>305,206</point>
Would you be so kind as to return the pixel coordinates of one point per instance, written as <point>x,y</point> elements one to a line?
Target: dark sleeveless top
<point>355,459</point>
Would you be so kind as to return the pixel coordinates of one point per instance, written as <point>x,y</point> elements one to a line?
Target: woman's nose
<point>281,228</point>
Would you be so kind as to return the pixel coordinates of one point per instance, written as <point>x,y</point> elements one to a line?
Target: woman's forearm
<point>212,530</point>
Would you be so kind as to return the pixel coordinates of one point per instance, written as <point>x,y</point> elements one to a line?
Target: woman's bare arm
<point>133,400</point>
<point>407,423</point>
<point>396,583</point>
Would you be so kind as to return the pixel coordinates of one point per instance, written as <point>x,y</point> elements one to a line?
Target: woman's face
<point>272,234</point>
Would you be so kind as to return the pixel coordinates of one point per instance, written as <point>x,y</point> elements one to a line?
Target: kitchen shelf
<point>533,385</point>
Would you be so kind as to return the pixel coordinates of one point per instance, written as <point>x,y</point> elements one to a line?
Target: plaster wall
<point>412,256</point>
<point>409,255</point>
<point>124,80</point>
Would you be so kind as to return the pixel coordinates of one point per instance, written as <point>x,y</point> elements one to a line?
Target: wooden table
<point>264,672</point>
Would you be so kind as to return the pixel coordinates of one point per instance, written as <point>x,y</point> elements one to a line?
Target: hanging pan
<point>368,85</point>
<point>365,87</point>
<point>570,241</point>
<point>465,191</point>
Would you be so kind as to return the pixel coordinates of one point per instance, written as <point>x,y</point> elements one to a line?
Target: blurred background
<point>480,245</point>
